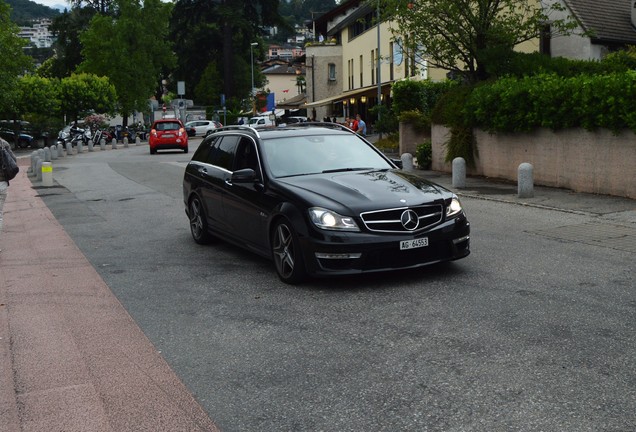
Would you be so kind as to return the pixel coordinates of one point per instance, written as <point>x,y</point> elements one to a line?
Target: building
<point>38,35</point>
<point>603,27</point>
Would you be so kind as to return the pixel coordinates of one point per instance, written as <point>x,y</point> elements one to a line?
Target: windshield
<point>321,153</point>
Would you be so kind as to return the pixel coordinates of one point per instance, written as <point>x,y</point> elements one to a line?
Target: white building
<point>38,35</point>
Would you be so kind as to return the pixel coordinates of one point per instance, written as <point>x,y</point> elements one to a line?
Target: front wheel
<point>286,252</point>
<point>198,222</point>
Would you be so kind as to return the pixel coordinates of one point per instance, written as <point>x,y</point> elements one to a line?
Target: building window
<point>331,71</point>
<point>373,65</point>
<point>545,39</point>
<point>350,73</point>
<point>391,54</point>
<point>361,72</point>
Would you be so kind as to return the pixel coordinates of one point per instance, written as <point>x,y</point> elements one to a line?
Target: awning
<point>370,91</point>
<point>295,102</point>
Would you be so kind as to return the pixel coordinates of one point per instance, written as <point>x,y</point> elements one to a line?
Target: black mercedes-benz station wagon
<point>319,200</point>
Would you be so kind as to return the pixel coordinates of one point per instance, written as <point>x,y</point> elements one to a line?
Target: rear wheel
<point>23,143</point>
<point>185,150</point>
<point>198,222</point>
<point>286,252</point>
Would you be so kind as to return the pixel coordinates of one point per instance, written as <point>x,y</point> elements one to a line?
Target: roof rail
<point>320,124</point>
<point>236,127</point>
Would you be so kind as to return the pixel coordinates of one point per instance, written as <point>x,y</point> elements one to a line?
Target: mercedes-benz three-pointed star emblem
<point>409,220</point>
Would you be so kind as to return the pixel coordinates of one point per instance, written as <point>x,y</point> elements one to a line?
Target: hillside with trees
<point>25,11</point>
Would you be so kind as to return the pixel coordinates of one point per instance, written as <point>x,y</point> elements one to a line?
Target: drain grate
<point>606,235</point>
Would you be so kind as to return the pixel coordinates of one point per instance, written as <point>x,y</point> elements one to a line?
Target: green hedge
<point>420,96</point>
<point>551,101</point>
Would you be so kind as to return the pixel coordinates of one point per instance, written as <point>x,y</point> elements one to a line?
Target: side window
<point>332,71</point>
<point>203,152</point>
<point>222,152</point>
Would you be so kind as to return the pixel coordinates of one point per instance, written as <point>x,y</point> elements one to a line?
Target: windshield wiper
<point>346,169</point>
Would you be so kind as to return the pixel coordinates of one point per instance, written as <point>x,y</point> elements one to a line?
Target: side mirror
<point>245,175</point>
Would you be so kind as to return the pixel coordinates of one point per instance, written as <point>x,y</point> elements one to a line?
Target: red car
<point>168,134</point>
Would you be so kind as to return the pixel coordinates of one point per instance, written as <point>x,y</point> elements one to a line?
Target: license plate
<point>167,136</point>
<point>414,244</point>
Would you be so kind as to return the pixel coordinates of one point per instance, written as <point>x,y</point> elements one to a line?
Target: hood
<point>365,190</point>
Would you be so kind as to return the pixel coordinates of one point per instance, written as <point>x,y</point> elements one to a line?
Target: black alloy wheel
<point>198,222</point>
<point>286,252</point>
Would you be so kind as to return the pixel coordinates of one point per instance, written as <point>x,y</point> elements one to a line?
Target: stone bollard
<point>80,147</point>
<point>53,150</point>
<point>47,154</point>
<point>137,141</point>
<point>125,142</point>
<point>407,162</point>
<point>47,174</point>
<point>34,163</point>
<point>38,170</point>
<point>69,149</point>
<point>102,144</point>
<point>114,144</point>
<point>525,182</point>
<point>90,145</point>
<point>60,150</point>
<point>459,172</point>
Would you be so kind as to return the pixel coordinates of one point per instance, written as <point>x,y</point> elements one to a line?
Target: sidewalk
<point>71,358</point>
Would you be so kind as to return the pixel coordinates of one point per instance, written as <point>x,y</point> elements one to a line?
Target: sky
<point>53,3</point>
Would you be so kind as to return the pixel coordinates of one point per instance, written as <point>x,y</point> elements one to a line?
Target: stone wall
<point>593,162</point>
<point>410,138</point>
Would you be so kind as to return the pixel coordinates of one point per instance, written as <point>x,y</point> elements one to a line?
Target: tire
<point>286,253</point>
<point>198,222</point>
<point>185,150</point>
<point>153,151</point>
<point>23,143</point>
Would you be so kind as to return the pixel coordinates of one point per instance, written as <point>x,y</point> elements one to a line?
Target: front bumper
<point>352,253</point>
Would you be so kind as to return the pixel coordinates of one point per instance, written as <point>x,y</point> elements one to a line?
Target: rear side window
<point>223,151</point>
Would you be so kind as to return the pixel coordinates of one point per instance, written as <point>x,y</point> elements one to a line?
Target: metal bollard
<point>47,174</point>
<point>525,182</point>
<point>407,162</point>
<point>459,172</point>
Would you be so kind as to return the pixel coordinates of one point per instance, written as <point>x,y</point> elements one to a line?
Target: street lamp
<point>252,45</point>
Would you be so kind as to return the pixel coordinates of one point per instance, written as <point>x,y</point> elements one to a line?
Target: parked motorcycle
<point>74,135</point>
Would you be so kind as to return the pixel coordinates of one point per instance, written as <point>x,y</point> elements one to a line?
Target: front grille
<point>390,220</point>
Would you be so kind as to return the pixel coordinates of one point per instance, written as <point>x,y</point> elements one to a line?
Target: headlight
<point>327,219</point>
<point>454,207</point>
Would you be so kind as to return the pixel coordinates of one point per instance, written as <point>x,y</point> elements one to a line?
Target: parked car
<point>319,200</point>
<point>202,127</point>
<point>168,134</point>
<point>24,140</point>
<point>260,122</point>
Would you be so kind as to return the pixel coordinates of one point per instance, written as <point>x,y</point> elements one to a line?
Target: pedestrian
<point>362,126</point>
<point>4,183</point>
<point>353,124</point>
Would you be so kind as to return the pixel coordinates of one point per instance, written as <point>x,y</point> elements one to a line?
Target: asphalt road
<point>529,333</point>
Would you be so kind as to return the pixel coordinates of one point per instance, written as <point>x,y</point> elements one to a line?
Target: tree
<point>465,36</point>
<point>131,49</point>
<point>82,94</point>
<point>217,31</point>
<point>68,48</point>
<point>14,61</point>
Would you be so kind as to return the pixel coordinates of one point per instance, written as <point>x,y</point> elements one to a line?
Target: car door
<point>213,173</point>
<point>244,201</point>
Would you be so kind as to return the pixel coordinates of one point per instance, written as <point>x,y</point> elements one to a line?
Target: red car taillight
<point>182,131</point>
<point>153,132</point>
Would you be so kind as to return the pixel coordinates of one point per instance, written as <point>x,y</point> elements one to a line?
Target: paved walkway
<point>71,358</point>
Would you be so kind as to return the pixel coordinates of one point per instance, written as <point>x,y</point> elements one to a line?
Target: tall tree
<point>465,36</point>
<point>14,62</point>
<point>131,49</point>
<point>68,48</point>
<point>205,31</point>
